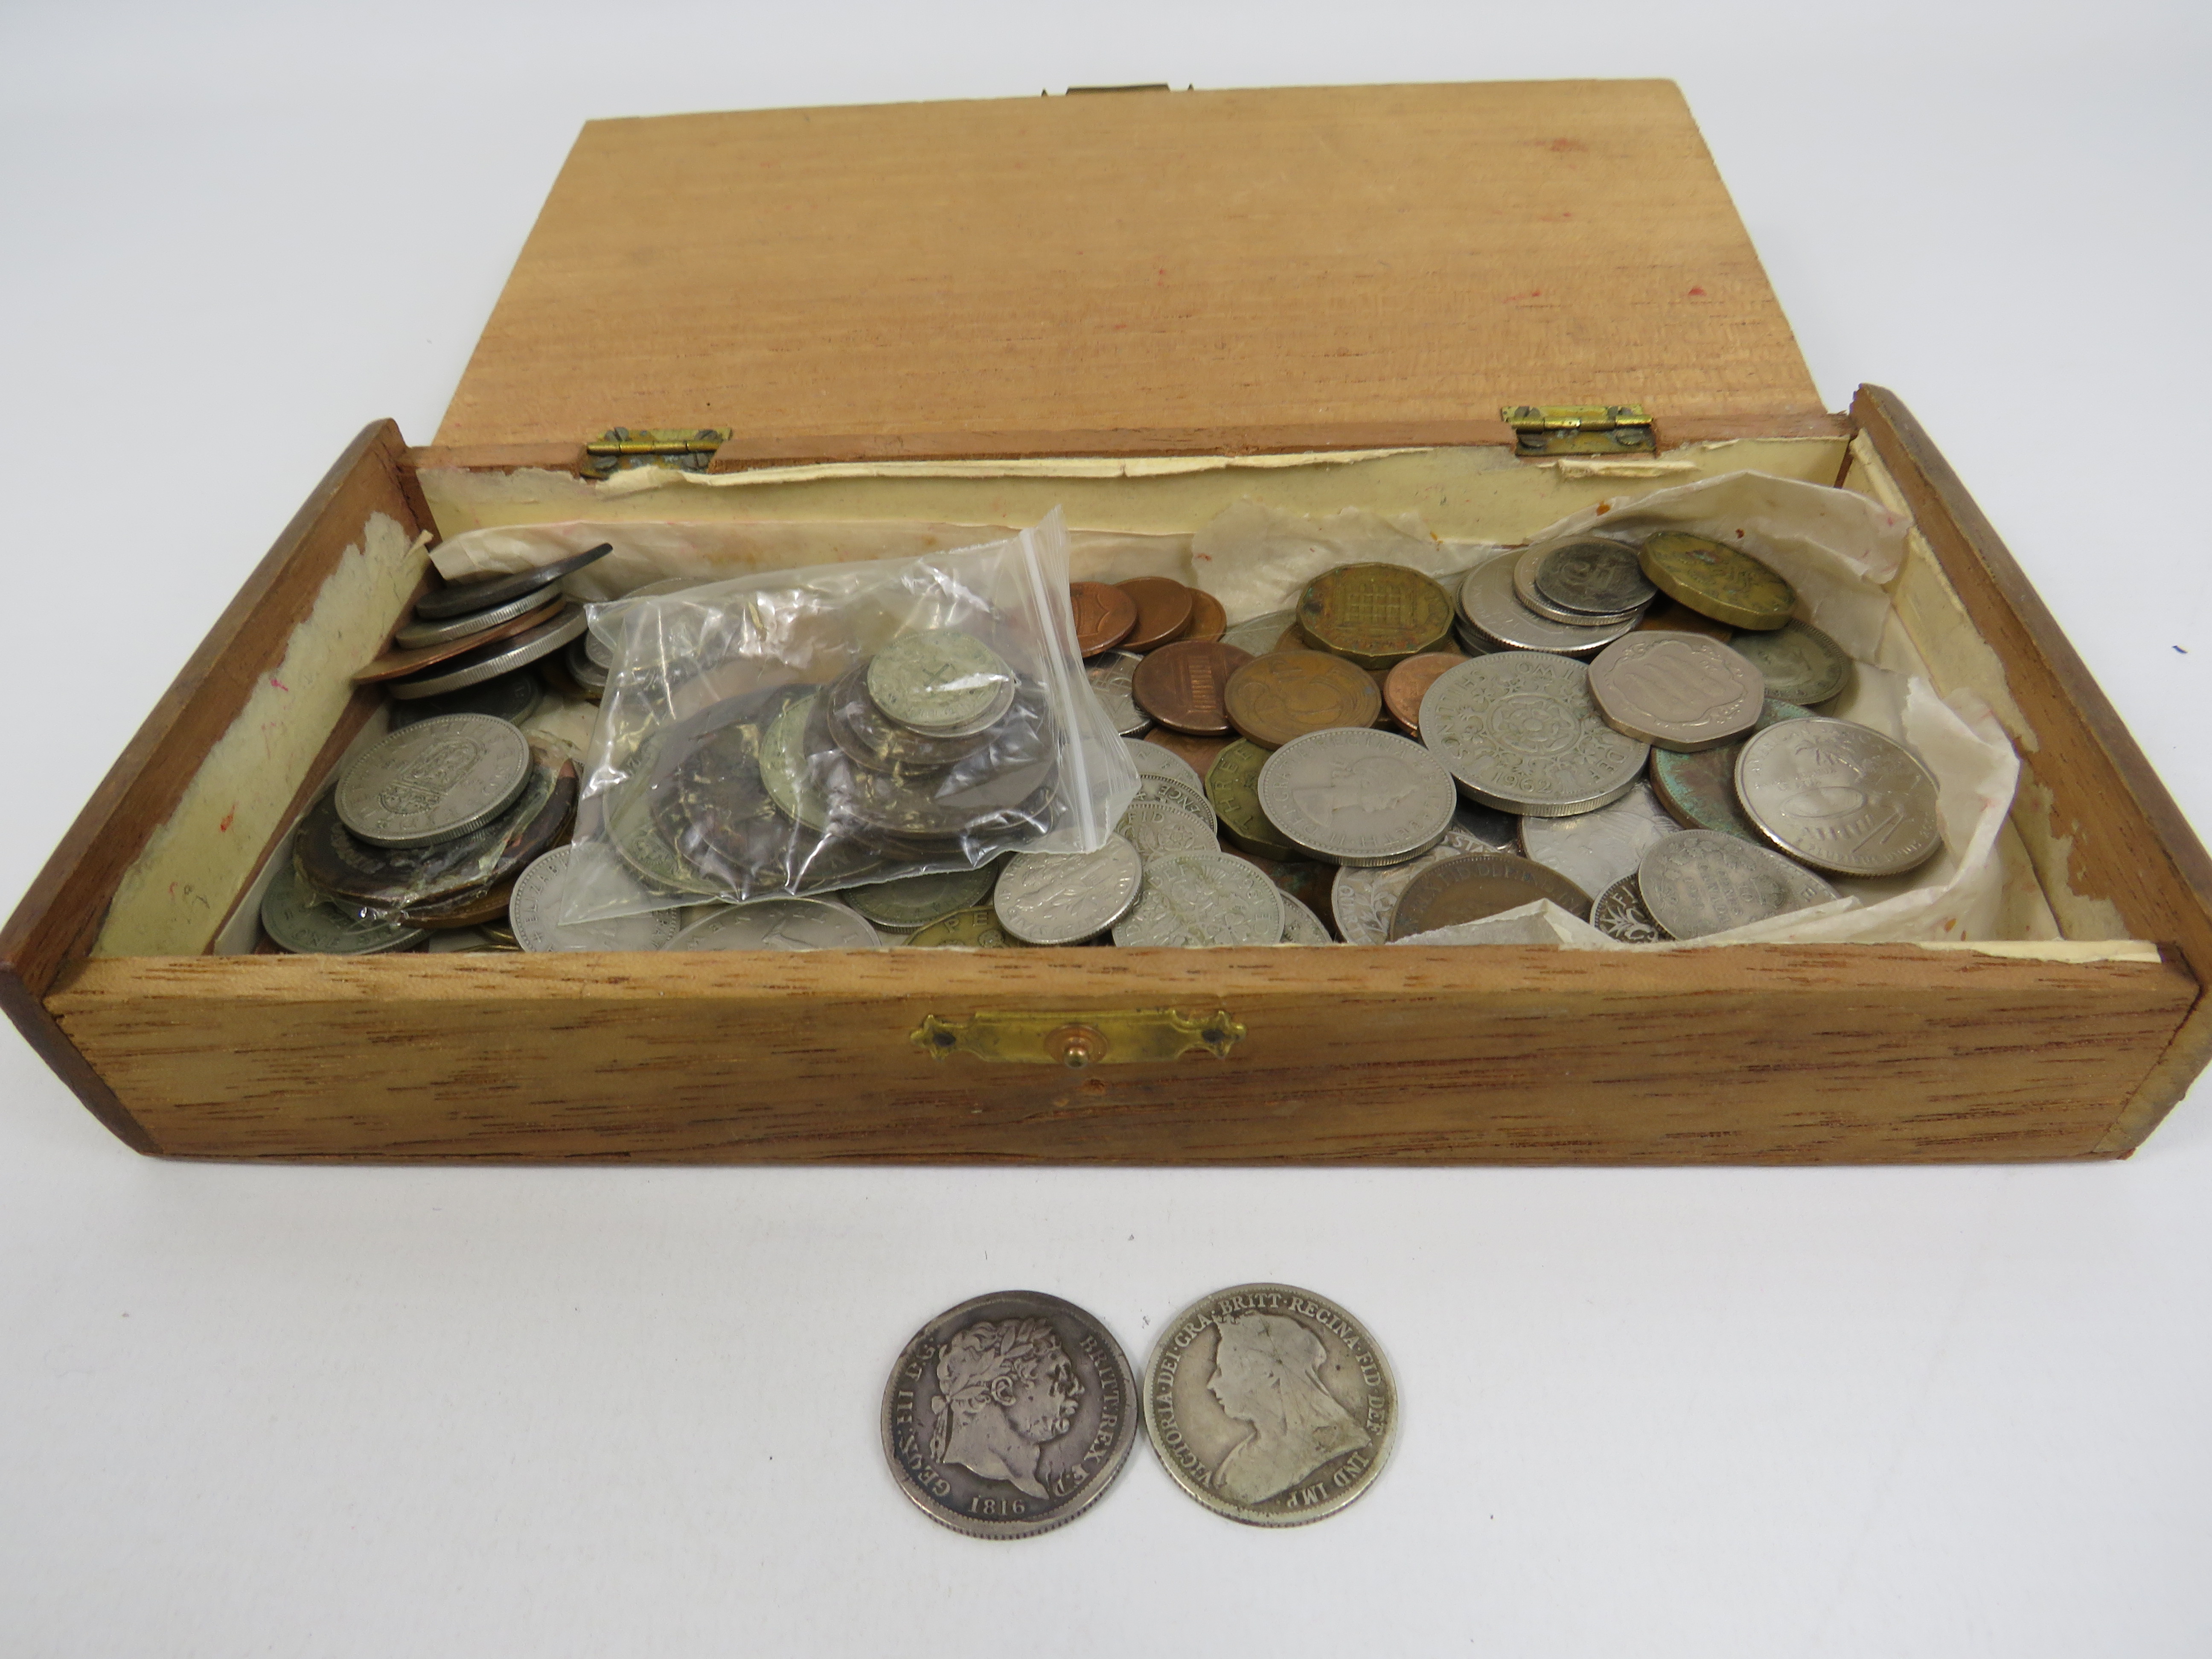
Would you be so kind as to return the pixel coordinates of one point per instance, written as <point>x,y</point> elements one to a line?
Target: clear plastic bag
<point>810,730</point>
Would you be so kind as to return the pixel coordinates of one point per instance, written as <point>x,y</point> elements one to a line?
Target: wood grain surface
<point>1321,260</point>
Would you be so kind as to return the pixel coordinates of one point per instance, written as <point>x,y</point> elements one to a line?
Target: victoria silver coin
<point>1596,849</point>
<point>1358,797</point>
<point>456,597</point>
<point>489,661</point>
<point>1154,827</point>
<point>1593,577</point>
<point>1697,882</point>
<point>1259,636</point>
<point>1176,794</point>
<point>435,780</point>
<point>1154,762</point>
<point>1839,796</point>
<point>414,636</point>
<point>1526,590</point>
<point>1676,690</point>
<point>1519,732</point>
<point>1065,898</point>
<point>1203,898</point>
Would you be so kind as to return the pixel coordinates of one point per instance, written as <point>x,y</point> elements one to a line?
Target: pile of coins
<point>1012,1414</point>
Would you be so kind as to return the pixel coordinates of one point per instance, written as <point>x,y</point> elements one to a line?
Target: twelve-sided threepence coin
<point>299,921</point>
<point>1678,690</point>
<point>1841,797</point>
<point>1357,797</point>
<point>1203,898</point>
<point>1519,732</point>
<point>913,902</point>
<point>941,681</point>
<point>1270,1405</point>
<point>779,924</point>
<point>1596,849</point>
<point>1488,602</point>
<point>1065,898</point>
<point>1698,882</point>
<point>1112,676</point>
<point>541,895</point>
<point>436,780</point>
<point>1009,1415</point>
<point>1154,762</point>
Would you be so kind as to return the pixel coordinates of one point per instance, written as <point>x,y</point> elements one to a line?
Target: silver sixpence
<point>1697,882</point>
<point>1680,691</point>
<point>1154,827</point>
<point>1619,913</point>
<point>1363,901</point>
<point>1270,1405</point>
<point>1203,898</point>
<point>1596,849</point>
<point>1526,590</point>
<point>1488,602</point>
<point>302,921</point>
<point>1111,676</point>
<point>1300,925</point>
<point>1359,797</point>
<point>1009,1415</point>
<point>1065,898</point>
<point>941,681</point>
<point>1840,796</point>
<point>1175,792</point>
<point>1800,663</point>
<point>435,780</point>
<point>413,635</point>
<point>779,924</point>
<point>913,902</point>
<point>1261,634</point>
<point>542,894</point>
<point>1154,762</point>
<point>1519,732</point>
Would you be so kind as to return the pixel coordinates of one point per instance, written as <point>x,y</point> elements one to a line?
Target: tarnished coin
<point>1203,898</point>
<point>1596,849</point>
<point>914,902</point>
<point>1181,685</point>
<point>1104,616</point>
<point>397,663</point>
<point>1489,605</point>
<point>1270,1405</point>
<point>791,781</point>
<point>779,924</point>
<point>1259,635</point>
<point>1799,663</point>
<point>1409,682</point>
<point>420,633</point>
<point>1111,676</point>
<point>1288,694</point>
<point>1363,901</point>
<point>1155,760</point>
<point>486,662</point>
<point>1697,882</point>
<point>1593,577</point>
<point>941,681</point>
<point>1233,787</point>
<point>1698,790</point>
<point>1724,583</point>
<point>1519,732</point>
<point>453,598</point>
<point>1065,898</point>
<point>1208,621</point>
<point>1175,792</point>
<point>1009,1415</point>
<point>1619,912</point>
<point>471,909</point>
<point>591,678</point>
<point>1164,610</point>
<point>977,929</point>
<point>433,782</point>
<point>511,697</point>
<point>1358,797</point>
<point>1525,567</point>
<point>1374,614</point>
<point>300,919</point>
<point>541,895</point>
<point>1154,827</point>
<point>1840,796</point>
<point>1676,690</point>
<point>1478,884</point>
<point>1300,925</point>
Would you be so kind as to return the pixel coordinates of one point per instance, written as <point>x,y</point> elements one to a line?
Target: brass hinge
<point>686,449</point>
<point>1133,86</point>
<point>1105,1037</point>
<point>1594,429</point>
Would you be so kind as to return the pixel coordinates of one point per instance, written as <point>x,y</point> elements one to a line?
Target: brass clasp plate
<point>1590,429</point>
<point>1077,1041</point>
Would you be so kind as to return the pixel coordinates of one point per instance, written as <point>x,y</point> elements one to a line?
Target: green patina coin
<point>1698,790</point>
<point>1724,583</point>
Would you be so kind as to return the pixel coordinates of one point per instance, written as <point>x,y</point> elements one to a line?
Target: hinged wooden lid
<point>1312,263</point>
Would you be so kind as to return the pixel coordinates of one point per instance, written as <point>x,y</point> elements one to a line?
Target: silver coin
<point>473,596</point>
<point>913,902</point>
<point>1349,795</point>
<point>1154,762</point>
<point>1525,589</point>
<point>1203,898</point>
<point>791,782</point>
<point>1487,602</point>
<point>1173,792</point>
<point>1593,577</point>
<point>1065,898</point>
<point>1697,882</point>
<point>1300,925</point>
<point>512,697</point>
<point>1259,636</point>
<point>413,635</point>
<point>1111,677</point>
<point>1154,827</point>
<point>1840,796</point>
<point>541,893</point>
<point>435,780</point>
<point>1473,640</point>
<point>303,920</point>
<point>1270,1405</point>
<point>1519,732</point>
<point>1363,901</point>
<point>591,677</point>
<point>1596,849</point>
<point>1680,691</point>
<point>1800,663</point>
<point>489,661</point>
<point>941,681</point>
<point>1619,912</point>
<point>1009,1415</point>
<point>779,924</point>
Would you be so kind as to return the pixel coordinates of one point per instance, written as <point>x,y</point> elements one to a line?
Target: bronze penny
<point>1376,614</point>
<point>1288,694</point>
<point>392,664</point>
<point>1163,611</point>
<point>1200,752</point>
<point>1409,682</point>
<point>1669,616</point>
<point>1478,884</point>
<point>1181,685</point>
<point>1208,621</point>
<point>1104,616</point>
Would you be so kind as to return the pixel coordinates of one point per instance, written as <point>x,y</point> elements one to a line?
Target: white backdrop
<point>609,1411</point>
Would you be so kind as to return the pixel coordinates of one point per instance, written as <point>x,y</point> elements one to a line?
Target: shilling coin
<point>1374,614</point>
<point>1409,682</point>
<point>1593,577</point>
<point>1800,663</point>
<point>1270,1405</point>
<point>1104,616</point>
<point>1698,790</point>
<point>1208,621</point>
<point>1724,583</point>
<point>1203,898</point>
<point>1157,761</point>
<point>1525,567</point>
<point>454,598</point>
<point>511,697</point>
<point>1519,732</point>
<point>433,782</point>
<point>1164,611</point>
<point>1175,792</point>
<point>780,924</point>
<point>1841,797</point>
<point>1110,676</point>
<point>397,664</point>
<point>914,902</point>
<point>1153,827</point>
<point>1478,884</point>
<point>1596,849</point>
<point>487,662</point>
<point>541,894</point>
<point>1619,912</point>
<point>1358,797</point>
<point>419,634</point>
<point>1259,635</point>
<point>976,929</point>
<point>1232,788</point>
<point>1288,694</point>
<point>306,922</point>
<point>1676,690</point>
<point>1300,925</point>
<point>1363,901</point>
<point>1697,882</point>
<point>941,681</point>
<point>1009,1415</point>
<point>1489,604</point>
<point>1065,898</point>
<point>1181,685</point>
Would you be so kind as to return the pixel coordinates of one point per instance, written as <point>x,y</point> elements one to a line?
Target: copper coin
<point>1164,608</point>
<point>1208,621</point>
<point>1293,639</point>
<point>1200,752</point>
<point>1409,682</point>
<point>1181,685</point>
<point>1669,616</point>
<point>1479,884</point>
<point>1288,694</point>
<point>1376,614</point>
<point>1104,616</point>
<point>392,664</point>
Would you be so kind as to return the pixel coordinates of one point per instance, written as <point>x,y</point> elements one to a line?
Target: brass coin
<point>1105,615</point>
<point>1163,609</point>
<point>1669,616</point>
<point>976,929</point>
<point>1181,685</point>
<point>1199,752</point>
<point>1288,694</point>
<point>1233,787</point>
<point>1409,682</point>
<point>1374,614</point>
<point>1724,583</point>
<point>1208,621</point>
<point>1479,884</point>
<point>1698,790</point>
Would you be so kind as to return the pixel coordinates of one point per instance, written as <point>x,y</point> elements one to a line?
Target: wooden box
<point>1141,306</point>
